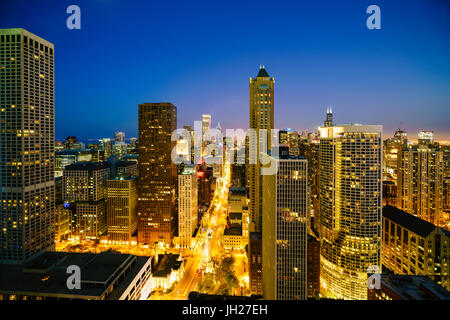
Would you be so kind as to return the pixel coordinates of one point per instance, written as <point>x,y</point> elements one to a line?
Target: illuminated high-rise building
<point>285,219</point>
<point>84,187</point>
<point>106,146</point>
<point>261,91</point>
<point>27,146</point>
<point>261,117</point>
<point>206,123</point>
<point>157,173</point>
<point>420,182</point>
<point>426,137</point>
<point>122,209</point>
<point>350,193</point>
<point>413,246</point>
<point>119,136</point>
<point>329,120</point>
<point>187,205</point>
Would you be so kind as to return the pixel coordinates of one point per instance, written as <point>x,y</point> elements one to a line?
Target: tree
<point>232,281</point>
<point>227,264</point>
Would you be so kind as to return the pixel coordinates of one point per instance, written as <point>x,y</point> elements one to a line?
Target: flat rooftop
<point>46,274</point>
<point>166,263</point>
<point>414,287</point>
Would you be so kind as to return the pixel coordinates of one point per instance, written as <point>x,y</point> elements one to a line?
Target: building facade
<point>27,146</point>
<point>350,193</point>
<point>157,173</point>
<point>420,182</point>
<point>121,210</point>
<point>285,220</point>
<point>84,186</point>
<point>261,117</point>
<point>187,206</point>
<point>413,246</point>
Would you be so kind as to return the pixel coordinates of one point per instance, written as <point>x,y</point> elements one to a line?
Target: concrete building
<point>104,276</point>
<point>121,210</point>
<point>27,146</point>
<point>413,246</point>
<point>168,268</point>
<point>187,206</point>
<point>401,287</point>
<point>84,186</point>
<point>285,220</point>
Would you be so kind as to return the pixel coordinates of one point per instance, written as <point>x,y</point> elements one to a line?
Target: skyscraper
<point>27,143</point>
<point>206,123</point>
<point>350,186</point>
<point>261,91</point>
<point>187,205</point>
<point>119,136</point>
<point>285,219</point>
<point>261,117</point>
<point>420,181</point>
<point>157,173</point>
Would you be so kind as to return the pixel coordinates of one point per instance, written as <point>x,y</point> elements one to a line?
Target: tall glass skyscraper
<point>27,143</point>
<point>350,187</point>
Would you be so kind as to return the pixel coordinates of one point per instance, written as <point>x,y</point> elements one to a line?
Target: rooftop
<point>235,229</point>
<point>418,226</point>
<point>46,275</point>
<point>166,263</point>
<point>86,166</point>
<point>414,287</point>
<point>262,73</point>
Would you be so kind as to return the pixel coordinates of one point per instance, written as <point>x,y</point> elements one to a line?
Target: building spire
<point>329,119</point>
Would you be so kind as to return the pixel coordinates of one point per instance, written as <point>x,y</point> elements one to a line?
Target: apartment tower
<point>350,189</point>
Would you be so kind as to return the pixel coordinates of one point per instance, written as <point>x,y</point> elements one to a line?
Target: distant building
<point>119,136</point>
<point>84,186</point>
<point>70,142</point>
<point>120,149</point>
<point>413,246</point>
<point>104,276</point>
<point>426,137</point>
<point>105,145</point>
<point>401,287</point>
<point>67,157</point>
<point>122,209</point>
<point>420,182</point>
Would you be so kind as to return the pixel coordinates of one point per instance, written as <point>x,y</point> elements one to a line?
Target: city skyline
<point>364,74</point>
<point>280,207</point>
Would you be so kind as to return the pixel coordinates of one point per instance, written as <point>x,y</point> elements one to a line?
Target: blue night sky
<point>199,55</point>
